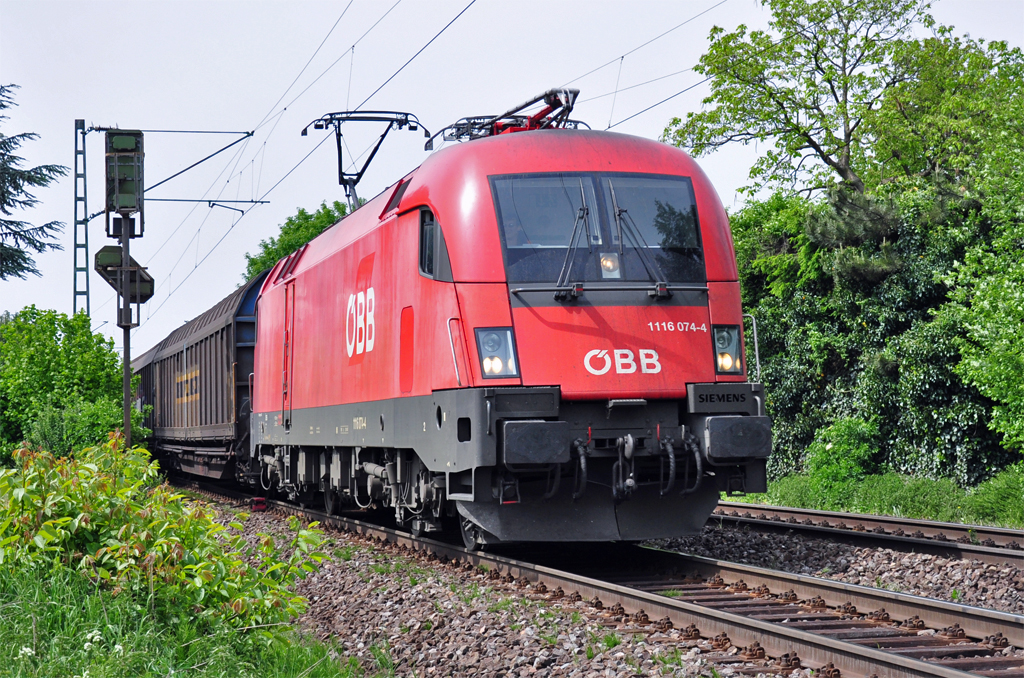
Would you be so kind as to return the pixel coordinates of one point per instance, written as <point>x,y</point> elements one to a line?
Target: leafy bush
<point>102,513</point>
<point>841,454</point>
<point>1001,498</point>
<point>57,623</point>
<point>997,501</point>
<point>81,423</point>
<point>60,384</point>
<point>846,291</point>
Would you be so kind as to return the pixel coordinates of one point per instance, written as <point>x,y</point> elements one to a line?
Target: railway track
<point>749,619</point>
<point>973,542</point>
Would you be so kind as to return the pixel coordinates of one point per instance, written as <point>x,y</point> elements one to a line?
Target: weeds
<point>382,657</point>
<point>106,572</point>
<point>611,640</point>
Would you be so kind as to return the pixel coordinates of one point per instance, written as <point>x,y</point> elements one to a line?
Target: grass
<point>57,623</point>
<point>997,501</point>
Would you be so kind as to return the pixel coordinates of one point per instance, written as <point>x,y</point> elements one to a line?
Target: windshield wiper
<point>582,216</point>
<point>661,289</point>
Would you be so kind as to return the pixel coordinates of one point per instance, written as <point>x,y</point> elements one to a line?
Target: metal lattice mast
<point>81,252</point>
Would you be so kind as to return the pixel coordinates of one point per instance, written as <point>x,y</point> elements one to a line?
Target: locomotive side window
<point>598,227</point>
<point>427,243</point>
<point>434,262</point>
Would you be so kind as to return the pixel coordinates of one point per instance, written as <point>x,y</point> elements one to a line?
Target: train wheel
<point>330,502</point>
<point>470,535</point>
<point>416,528</point>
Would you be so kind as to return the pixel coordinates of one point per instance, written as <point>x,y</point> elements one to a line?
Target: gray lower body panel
<point>595,517</point>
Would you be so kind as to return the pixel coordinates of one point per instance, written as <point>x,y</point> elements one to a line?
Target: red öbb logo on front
<point>600,361</point>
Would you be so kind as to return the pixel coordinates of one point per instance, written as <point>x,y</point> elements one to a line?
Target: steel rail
<point>989,544</point>
<point>934,613</point>
<point>777,640</point>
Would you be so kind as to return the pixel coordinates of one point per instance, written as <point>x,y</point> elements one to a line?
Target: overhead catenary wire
<point>639,47</point>
<point>351,50</point>
<point>615,95</point>
<point>262,152</point>
<point>668,98</point>
<point>308,62</point>
<point>639,84</point>
<point>420,51</point>
<point>780,41</point>
<point>230,228</point>
<point>278,116</point>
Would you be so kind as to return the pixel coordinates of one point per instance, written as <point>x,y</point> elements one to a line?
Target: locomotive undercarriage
<point>523,466</point>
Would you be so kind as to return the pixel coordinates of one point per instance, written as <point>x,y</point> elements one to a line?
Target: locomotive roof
<point>454,183</point>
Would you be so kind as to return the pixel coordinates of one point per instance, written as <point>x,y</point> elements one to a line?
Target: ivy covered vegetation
<point>882,247</point>
<point>107,572</point>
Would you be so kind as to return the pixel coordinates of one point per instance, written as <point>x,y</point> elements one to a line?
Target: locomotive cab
<point>636,351</point>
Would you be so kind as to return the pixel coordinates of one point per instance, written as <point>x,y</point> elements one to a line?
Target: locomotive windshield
<point>573,227</point>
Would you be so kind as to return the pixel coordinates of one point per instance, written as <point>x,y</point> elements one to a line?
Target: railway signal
<point>124,181</point>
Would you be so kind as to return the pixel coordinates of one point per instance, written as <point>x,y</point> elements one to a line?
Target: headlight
<point>610,265</point>
<point>497,352</point>
<point>727,349</point>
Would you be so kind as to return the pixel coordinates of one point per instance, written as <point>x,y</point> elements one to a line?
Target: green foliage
<point>841,454</point>
<point>938,121</point>
<point>997,501</point>
<point>803,89</point>
<point>101,514</point>
<point>296,232</point>
<point>894,298</point>
<point>988,292</point>
<point>81,423</point>
<point>59,380</point>
<point>57,623</point>
<point>846,302</point>
<point>18,238</point>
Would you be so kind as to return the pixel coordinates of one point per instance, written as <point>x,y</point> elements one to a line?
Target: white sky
<point>223,65</point>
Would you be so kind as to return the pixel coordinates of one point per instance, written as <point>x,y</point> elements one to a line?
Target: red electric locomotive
<point>537,332</point>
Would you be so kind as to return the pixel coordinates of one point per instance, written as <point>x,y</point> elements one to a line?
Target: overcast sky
<point>273,67</point>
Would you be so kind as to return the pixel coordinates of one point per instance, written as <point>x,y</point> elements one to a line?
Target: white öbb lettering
<point>360,330</point>
<point>598,361</point>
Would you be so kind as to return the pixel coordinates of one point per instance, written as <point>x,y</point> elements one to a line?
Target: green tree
<point>890,294</point>
<point>295,232</point>
<point>804,89</point>
<point>948,114</point>
<point>60,383</point>
<point>988,288</point>
<point>18,238</point>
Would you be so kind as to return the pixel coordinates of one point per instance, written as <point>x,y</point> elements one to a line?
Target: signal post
<point>124,180</point>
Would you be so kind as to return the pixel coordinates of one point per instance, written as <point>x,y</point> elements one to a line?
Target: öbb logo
<point>598,361</point>
<point>360,328</point>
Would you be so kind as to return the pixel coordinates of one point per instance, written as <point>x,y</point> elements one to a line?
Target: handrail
<point>757,355</point>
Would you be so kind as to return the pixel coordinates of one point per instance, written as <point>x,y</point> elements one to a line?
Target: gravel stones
<point>970,582</point>
<point>401,614</point>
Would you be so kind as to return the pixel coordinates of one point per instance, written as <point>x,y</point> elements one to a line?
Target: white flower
<point>26,652</point>
<point>118,649</point>
<point>88,646</point>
